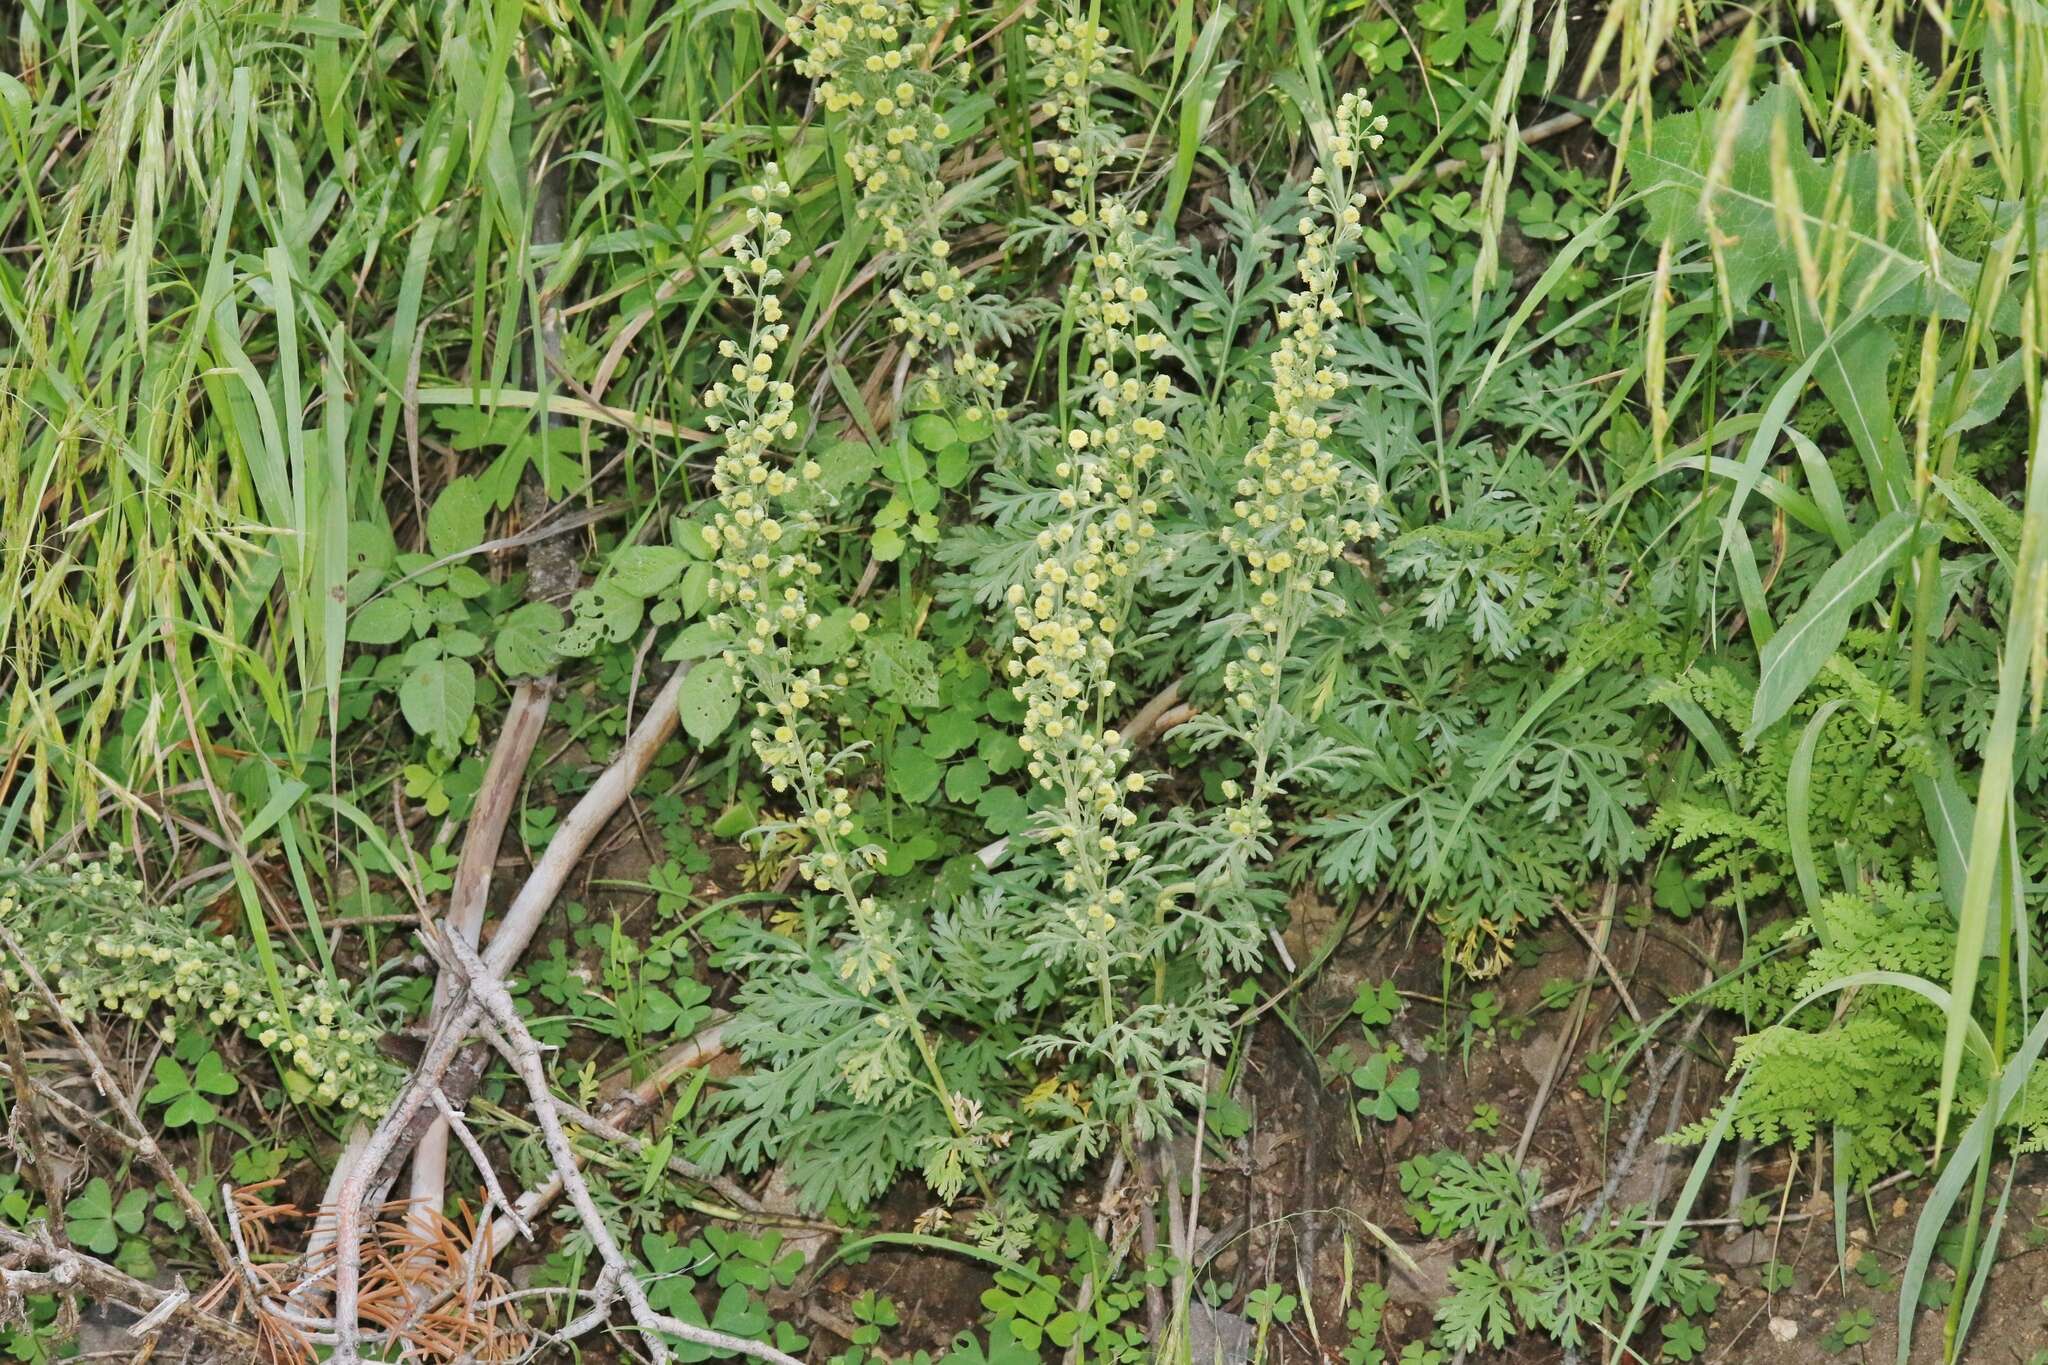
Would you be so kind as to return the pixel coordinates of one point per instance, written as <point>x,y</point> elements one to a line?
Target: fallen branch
<point>467,898</point>
<point>700,1048</point>
<point>459,1072</point>
<point>365,1170</point>
<point>352,1193</point>
<point>53,1269</point>
<point>25,1132</point>
<point>522,1051</point>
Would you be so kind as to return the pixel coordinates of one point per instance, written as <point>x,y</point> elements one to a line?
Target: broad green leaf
<point>966,780</point>
<point>171,1082</point>
<point>385,621</point>
<point>707,700</point>
<point>949,731</point>
<point>1795,654</point>
<point>913,773</point>
<point>370,545</point>
<point>698,641</point>
<point>950,467</point>
<point>466,582</point>
<point>901,669</point>
<point>455,523</point>
<point>461,644</point>
<point>212,1076</point>
<point>437,699</point>
<point>933,432</point>
<point>645,570</point>
<point>95,1221</point>
<point>972,426</point>
<point>1002,810</point>
<point>695,590</point>
<point>846,464</point>
<point>1741,212</point>
<point>174,1090</point>
<point>522,646</point>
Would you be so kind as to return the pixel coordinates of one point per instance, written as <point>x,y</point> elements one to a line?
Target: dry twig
<point>509,1035</point>
<point>45,1268</point>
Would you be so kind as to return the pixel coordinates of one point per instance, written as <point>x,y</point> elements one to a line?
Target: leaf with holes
<point>707,700</point>
<point>438,699</point>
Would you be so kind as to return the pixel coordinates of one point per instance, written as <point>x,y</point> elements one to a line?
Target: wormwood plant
<point>1069,619</point>
<point>764,581</point>
<point>1492,693</point>
<point>1295,503</point>
<point>880,1037</point>
<point>98,941</point>
<point>1565,1285</point>
<point>891,92</point>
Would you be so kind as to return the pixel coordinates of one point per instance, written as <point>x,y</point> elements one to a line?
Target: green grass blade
<point>1666,1240</point>
<point>1961,1168</point>
<point>1198,96</point>
<point>1994,784</point>
<point>1794,656</point>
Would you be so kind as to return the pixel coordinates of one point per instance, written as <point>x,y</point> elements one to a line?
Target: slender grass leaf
<point>1994,783</point>
<point>1794,656</point>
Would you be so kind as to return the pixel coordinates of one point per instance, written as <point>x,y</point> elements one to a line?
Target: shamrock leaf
<point>1388,1093</point>
<point>1376,1005</point>
<point>95,1222</point>
<point>1683,1340</point>
<point>185,1096</point>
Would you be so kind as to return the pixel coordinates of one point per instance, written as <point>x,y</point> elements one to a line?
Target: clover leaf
<point>185,1097</point>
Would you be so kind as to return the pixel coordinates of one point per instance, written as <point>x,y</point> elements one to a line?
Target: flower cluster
<point>1070,614</point>
<point>1296,507</point>
<point>1292,498</point>
<point>1073,54</point>
<point>1108,469</point>
<point>872,60</point>
<point>760,532</point>
<point>765,576</point>
<point>91,935</point>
